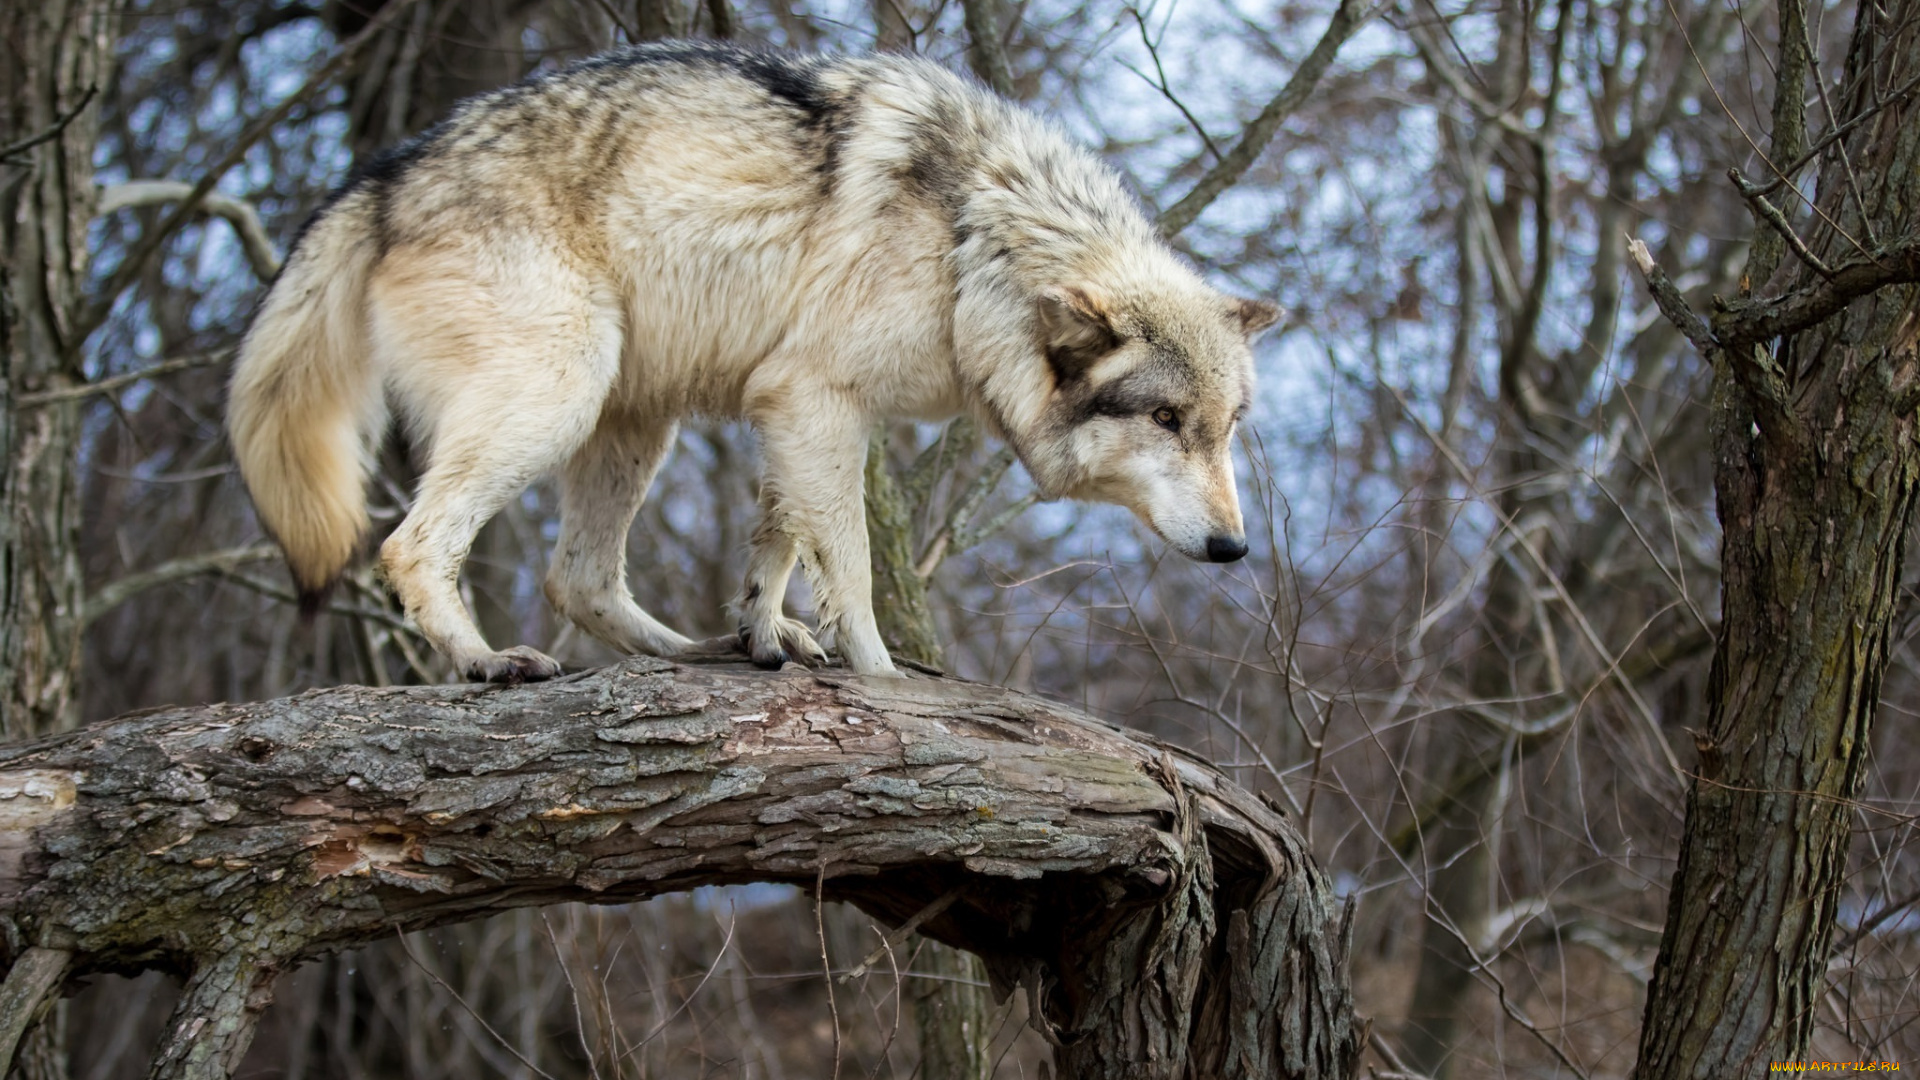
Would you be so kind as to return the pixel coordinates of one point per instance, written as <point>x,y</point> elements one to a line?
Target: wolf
<point>557,275</point>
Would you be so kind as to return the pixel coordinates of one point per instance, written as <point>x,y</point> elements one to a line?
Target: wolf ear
<point>1255,315</point>
<point>1076,329</point>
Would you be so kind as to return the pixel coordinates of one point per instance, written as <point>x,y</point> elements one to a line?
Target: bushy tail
<point>307,406</point>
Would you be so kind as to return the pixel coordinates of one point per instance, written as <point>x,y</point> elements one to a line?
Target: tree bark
<point>1166,923</point>
<point>57,58</point>
<point>1816,467</point>
<point>900,603</point>
<point>950,1013</point>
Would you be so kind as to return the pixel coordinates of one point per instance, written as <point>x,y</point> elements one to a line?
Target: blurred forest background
<point>1466,652</point>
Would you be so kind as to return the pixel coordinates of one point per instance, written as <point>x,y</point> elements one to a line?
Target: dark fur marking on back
<point>938,165</point>
<point>377,175</point>
<point>792,81</point>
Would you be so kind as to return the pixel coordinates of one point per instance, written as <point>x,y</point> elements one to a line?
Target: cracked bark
<point>1168,923</point>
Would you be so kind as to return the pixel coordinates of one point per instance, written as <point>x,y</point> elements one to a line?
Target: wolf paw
<point>779,640</point>
<point>514,666</point>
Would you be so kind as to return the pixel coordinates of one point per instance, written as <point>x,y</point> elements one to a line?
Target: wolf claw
<point>786,640</point>
<point>511,667</point>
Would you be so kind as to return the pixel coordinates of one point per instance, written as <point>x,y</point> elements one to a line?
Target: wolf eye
<point>1167,418</point>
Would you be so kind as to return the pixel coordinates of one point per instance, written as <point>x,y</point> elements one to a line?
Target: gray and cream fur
<point>558,274</point>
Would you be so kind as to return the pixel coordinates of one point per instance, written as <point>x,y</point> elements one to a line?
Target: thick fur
<point>562,271</point>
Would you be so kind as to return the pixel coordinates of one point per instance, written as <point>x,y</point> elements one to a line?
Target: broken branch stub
<point>1167,923</point>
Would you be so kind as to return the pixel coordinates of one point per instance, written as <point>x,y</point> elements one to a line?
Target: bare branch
<point>130,267</point>
<point>984,52</point>
<point>114,382</point>
<point>899,934</point>
<point>59,125</point>
<point>33,976</point>
<point>1668,298</point>
<point>343,816</point>
<point>1159,82</point>
<point>1746,358</point>
<point>446,988</point>
<point>1771,214</point>
<point>1349,17</point>
<point>238,212</point>
<point>1765,319</point>
<point>948,540</point>
<point>115,593</point>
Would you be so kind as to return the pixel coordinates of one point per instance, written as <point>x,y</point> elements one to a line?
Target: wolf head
<point>1147,388</point>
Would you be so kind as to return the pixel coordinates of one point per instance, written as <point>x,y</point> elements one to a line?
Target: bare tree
<point>1816,461</point>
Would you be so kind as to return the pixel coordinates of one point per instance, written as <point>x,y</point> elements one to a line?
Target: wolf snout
<point>1226,549</point>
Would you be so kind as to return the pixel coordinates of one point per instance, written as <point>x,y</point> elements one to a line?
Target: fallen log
<point>1164,922</point>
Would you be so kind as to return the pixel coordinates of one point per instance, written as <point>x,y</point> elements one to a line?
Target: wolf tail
<point>307,406</point>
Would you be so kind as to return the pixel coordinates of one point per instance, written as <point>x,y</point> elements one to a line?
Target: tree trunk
<point>57,56</point>
<point>1166,923</point>
<point>899,595</point>
<point>56,67</point>
<point>1816,465</point>
<point>950,1012</point>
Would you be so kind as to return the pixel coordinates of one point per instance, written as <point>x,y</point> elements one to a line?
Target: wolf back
<point>559,273</point>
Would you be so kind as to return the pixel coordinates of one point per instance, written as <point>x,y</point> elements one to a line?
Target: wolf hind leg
<point>517,396</point>
<point>601,490</point>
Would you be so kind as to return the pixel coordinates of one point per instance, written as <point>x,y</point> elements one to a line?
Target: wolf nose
<point>1225,549</point>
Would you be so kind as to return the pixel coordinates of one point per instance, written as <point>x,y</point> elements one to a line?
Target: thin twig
<point>286,596</point>
<point>901,933</point>
<point>407,947</point>
<point>687,1001</point>
<point>1161,85</point>
<point>1394,1061</point>
<point>1641,710</point>
<point>893,1032</point>
<point>1840,132</point>
<point>1759,153</point>
<point>1868,926</point>
<point>1833,119</point>
<point>119,591</point>
<point>1349,17</point>
<point>826,965</point>
<point>59,125</point>
<point>111,383</point>
<point>1771,214</point>
<point>579,1019</point>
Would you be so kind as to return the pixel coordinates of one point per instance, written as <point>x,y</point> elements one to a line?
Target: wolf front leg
<point>766,633</point>
<point>815,446</point>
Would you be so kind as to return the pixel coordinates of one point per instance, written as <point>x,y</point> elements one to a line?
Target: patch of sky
<point>742,898</point>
